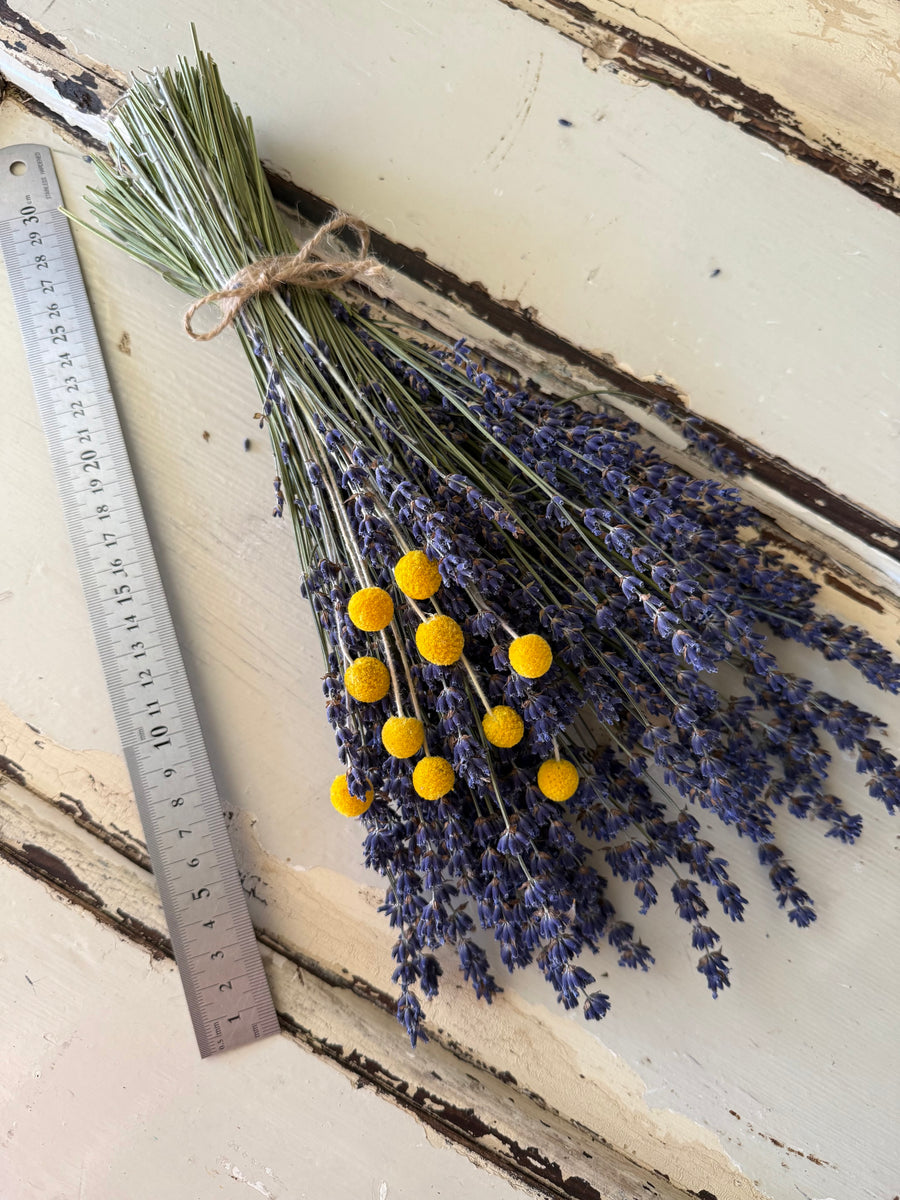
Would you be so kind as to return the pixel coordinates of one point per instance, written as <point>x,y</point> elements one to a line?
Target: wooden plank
<point>820,81</point>
<point>103,1093</point>
<point>705,1093</point>
<point>657,245</point>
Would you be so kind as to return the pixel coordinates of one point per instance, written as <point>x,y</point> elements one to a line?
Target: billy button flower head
<point>371,609</point>
<point>558,779</point>
<point>433,777</point>
<point>503,726</point>
<point>417,575</point>
<point>402,737</point>
<point>367,680</point>
<point>530,656</point>
<point>440,641</point>
<point>345,803</point>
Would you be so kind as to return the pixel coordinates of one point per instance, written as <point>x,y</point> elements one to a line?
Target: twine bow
<point>308,268</point>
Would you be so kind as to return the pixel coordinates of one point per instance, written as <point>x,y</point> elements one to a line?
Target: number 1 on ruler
<point>206,910</point>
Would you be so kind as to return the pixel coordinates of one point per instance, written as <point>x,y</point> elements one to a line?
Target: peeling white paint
<point>124,1106</point>
<point>235,1173</point>
<point>236,600</point>
<point>681,184</point>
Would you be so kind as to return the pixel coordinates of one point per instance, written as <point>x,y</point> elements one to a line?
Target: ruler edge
<point>229,877</point>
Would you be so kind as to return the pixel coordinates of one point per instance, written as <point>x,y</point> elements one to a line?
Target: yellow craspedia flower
<point>530,656</point>
<point>433,778</point>
<point>371,609</point>
<point>558,779</point>
<point>402,737</point>
<point>503,726</point>
<point>417,575</point>
<point>440,641</point>
<point>347,805</point>
<point>367,679</point>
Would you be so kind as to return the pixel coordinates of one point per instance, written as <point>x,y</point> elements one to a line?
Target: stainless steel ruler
<point>215,947</point>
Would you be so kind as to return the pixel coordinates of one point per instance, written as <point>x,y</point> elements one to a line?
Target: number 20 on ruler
<point>213,940</point>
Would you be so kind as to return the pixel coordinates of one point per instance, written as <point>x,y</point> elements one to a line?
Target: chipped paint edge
<point>503,1126</point>
<point>36,69</point>
<point>631,51</point>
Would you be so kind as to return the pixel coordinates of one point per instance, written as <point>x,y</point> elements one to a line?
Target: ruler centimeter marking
<point>215,947</point>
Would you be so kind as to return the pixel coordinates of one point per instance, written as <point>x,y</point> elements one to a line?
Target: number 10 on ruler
<point>213,940</point>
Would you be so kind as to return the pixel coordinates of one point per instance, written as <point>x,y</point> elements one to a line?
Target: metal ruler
<point>215,947</point>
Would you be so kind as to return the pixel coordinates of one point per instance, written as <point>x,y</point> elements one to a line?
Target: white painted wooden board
<point>826,70</point>
<point>438,122</point>
<point>103,1095</point>
<point>667,1072</point>
<point>254,663</point>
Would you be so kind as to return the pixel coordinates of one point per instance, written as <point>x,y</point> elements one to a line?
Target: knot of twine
<point>308,268</point>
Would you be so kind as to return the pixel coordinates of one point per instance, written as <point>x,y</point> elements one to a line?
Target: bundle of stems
<point>521,607</point>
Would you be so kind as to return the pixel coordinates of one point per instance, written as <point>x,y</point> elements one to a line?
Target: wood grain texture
<point>705,1093</point>
<point>818,79</point>
<point>510,1133</point>
<point>642,233</point>
<point>103,1094</point>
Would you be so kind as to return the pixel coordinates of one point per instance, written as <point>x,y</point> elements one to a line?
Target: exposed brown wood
<point>12,770</point>
<point>853,593</point>
<point>27,31</point>
<point>510,319</point>
<point>668,65</point>
<point>524,1163</point>
<point>478,1114</point>
<point>50,867</point>
<point>86,84</point>
<point>72,133</point>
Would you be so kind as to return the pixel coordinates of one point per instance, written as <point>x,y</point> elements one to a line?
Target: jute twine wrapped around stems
<point>308,268</point>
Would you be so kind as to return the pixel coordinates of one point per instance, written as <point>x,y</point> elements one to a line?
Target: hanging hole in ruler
<point>18,167</point>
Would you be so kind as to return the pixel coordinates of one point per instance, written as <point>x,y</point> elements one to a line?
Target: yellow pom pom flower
<point>371,609</point>
<point>440,641</point>
<point>503,726</point>
<point>347,805</point>
<point>530,656</point>
<point>367,679</point>
<point>402,737</point>
<point>558,779</point>
<point>433,778</point>
<point>417,576</point>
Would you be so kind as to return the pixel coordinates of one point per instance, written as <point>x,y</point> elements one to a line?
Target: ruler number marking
<point>216,951</point>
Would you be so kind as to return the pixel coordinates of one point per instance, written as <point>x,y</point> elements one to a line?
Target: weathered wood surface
<point>723,1097</point>
<point>642,232</point>
<point>103,1094</point>
<point>129,1010</point>
<point>819,79</point>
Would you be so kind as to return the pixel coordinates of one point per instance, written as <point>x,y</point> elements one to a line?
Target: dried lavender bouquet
<point>521,608</point>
